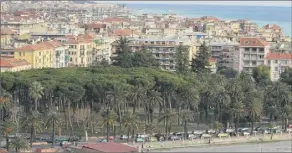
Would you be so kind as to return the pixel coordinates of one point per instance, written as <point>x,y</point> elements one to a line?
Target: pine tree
<point>201,63</point>
<point>143,58</point>
<point>124,54</point>
<point>181,58</point>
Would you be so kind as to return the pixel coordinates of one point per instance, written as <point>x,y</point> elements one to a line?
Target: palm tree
<point>131,123</point>
<point>19,143</point>
<point>168,117</point>
<point>109,119</point>
<point>53,120</point>
<point>253,105</point>
<point>137,96</point>
<point>153,98</point>
<point>6,129</point>
<point>186,116</point>
<point>34,122</point>
<point>36,92</point>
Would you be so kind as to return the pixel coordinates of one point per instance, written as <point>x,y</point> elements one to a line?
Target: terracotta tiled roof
<point>35,47</point>
<point>12,62</point>
<point>272,26</point>
<point>124,32</point>
<point>96,25</point>
<point>109,147</point>
<point>212,60</point>
<point>3,150</point>
<point>253,41</point>
<point>7,31</point>
<point>278,56</point>
<point>115,20</point>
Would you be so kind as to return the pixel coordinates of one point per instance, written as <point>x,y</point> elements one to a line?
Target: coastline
<point>230,13</point>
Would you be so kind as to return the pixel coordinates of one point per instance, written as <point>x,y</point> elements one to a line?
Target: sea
<point>261,15</point>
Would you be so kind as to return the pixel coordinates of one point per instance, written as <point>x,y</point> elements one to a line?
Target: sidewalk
<point>215,141</point>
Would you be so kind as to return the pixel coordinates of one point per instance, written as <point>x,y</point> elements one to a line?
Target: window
<point>269,62</point>
<point>19,53</point>
<point>152,42</point>
<point>40,53</point>
<point>254,49</point>
<point>246,49</point>
<point>276,68</point>
<point>276,61</point>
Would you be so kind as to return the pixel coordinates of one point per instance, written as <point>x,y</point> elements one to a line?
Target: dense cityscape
<point>97,77</point>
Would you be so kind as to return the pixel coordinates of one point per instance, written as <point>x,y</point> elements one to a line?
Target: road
<point>283,146</point>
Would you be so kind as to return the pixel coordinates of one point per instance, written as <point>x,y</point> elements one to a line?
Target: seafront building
<point>253,51</point>
<point>278,63</point>
<point>163,48</point>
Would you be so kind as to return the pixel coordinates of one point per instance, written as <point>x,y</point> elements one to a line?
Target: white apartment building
<point>278,63</point>
<point>163,48</point>
<point>253,51</point>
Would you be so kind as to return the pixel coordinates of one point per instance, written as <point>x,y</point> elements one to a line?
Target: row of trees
<point>129,96</point>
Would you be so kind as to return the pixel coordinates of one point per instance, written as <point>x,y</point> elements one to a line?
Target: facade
<point>253,51</point>
<point>80,52</point>
<point>14,65</point>
<point>225,52</point>
<point>61,51</point>
<point>250,27</point>
<point>272,33</point>
<point>6,35</point>
<point>213,67</point>
<point>163,49</point>
<point>39,55</point>
<point>278,63</point>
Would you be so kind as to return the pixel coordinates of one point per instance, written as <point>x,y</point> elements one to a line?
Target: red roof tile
<point>209,18</point>
<point>252,41</point>
<point>124,32</point>
<point>7,31</point>
<point>272,26</point>
<point>278,56</point>
<point>96,25</point>
<point>12,62</point>
<point>109,147</point>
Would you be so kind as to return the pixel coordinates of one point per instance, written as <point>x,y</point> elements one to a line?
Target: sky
<point>242,3</point>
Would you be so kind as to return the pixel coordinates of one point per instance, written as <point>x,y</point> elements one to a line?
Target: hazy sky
<point>246,3</point>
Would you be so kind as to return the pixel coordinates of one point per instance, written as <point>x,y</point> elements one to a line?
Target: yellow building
<point>235,27</point>
<point>13,65</point>
<point>6,37</point>
<point>80,51</point>
<point>39,55</point>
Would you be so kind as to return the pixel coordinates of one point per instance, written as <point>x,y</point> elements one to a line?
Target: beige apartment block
<point>278,63</point>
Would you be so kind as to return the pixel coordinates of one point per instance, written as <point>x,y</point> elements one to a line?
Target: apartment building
<point>40,55</point>
<point>272,33</point>
<point>249,27</point>
<point>102,49</point>
<point>253,51</point>
<point>14,65</point>
<point>6,35</point>
<point>79,52</point>
<point>278,63</point>
<point>163,48</point>
<point>61,51</point>
<point>225,51</point>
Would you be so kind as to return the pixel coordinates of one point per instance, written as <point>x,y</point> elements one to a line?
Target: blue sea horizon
<point>261,15</point>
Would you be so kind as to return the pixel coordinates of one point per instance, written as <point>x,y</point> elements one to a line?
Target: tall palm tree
<point>137,96</point>
<point>186,116</point>
<point>153,98</point>
<point>6,129</point>
<point>253,105</point>
<point>150,129</point>
<point>131,123</point>
<point>109,119</point>
<point>168,117</point>
<point>34,122</point>
<point>19,143</point>
<point>53,120</point>
<point>36,92</point>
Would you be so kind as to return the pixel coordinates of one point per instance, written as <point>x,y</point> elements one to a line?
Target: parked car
<point>198,132</point>
<point>211,131</point>
<point>174,137</point>
<point>223,135</point>
<point>205,135</point>
<point>124,137</point>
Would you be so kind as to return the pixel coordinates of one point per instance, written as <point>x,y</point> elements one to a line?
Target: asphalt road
<point>283,146</point>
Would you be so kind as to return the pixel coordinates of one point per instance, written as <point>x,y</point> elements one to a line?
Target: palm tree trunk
<point>31,135</point>
<point>35,105</point>
<point>107,127</point>
<point>252,125</point>
<point>286,124</point>
<point>53,135</point>
<point>69,117</point>
<point>185,129</point>
<point>7,142</point>
<point>120,118</point>
<point>128,134</point>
